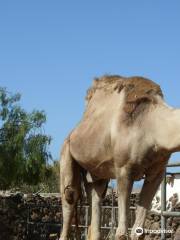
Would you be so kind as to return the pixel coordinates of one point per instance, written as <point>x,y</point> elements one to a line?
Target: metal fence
<point>46,229</point>
<point>49,230</point>
<point>109,219</point>
<point>164,213</point>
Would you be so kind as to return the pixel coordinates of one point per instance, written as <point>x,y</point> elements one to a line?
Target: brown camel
<point>127,132</point>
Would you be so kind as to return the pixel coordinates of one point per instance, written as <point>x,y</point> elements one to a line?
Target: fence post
<point>163,207</point>
<point>86,221</point>
<point>112,212</point>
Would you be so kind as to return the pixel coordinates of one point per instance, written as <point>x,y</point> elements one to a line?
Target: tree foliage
<point>24,150</point>
<point>51,181</point>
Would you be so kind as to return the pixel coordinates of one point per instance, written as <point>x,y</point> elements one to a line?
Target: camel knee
<point>71,194</point>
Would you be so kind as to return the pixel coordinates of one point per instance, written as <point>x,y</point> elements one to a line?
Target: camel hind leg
<point>70,188</point>
<point>97,191</point>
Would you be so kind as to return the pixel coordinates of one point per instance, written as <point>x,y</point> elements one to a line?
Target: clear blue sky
<point>51,50</point>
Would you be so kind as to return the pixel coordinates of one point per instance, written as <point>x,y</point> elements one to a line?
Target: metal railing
<point>164,213</point>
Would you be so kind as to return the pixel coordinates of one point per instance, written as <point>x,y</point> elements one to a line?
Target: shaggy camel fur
<point>127,132</point>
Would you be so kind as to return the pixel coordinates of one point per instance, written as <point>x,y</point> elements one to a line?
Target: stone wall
<point>39,217</point>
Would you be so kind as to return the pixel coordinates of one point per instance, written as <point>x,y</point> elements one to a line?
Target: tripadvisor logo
<point>139,231</point>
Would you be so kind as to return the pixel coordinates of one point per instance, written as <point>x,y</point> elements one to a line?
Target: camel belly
<point>103,170</point>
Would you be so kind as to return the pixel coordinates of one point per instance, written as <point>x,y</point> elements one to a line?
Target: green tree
<point>23,144</point>
<point>52,178</point>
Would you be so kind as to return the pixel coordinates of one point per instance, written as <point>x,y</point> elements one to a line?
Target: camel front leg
<point>124,186</point>
<point>146,196</point>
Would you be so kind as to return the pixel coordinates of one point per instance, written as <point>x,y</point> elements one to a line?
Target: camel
<point>127,133</point>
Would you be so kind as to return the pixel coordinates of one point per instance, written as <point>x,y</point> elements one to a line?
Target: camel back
<point>139,92</point>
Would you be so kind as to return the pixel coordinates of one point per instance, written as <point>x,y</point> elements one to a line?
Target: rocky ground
<point>39,217</point>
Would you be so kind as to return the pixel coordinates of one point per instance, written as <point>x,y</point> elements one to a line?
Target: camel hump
<point>107,83</point>
<point>139,92</point>
<point>135,86</point>
<point>138,87</point>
